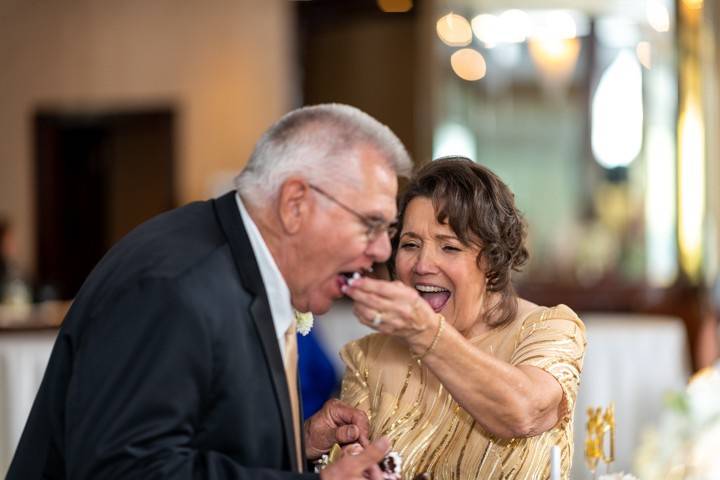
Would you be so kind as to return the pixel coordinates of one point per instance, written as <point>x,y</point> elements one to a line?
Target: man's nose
<point>379,248</point>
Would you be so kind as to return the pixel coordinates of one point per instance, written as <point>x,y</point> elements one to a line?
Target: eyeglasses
<point>375,226</point>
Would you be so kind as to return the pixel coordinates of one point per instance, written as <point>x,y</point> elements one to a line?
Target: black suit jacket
<point>167,365</point>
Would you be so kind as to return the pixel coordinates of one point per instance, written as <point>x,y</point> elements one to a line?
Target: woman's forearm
<point>505,400</point>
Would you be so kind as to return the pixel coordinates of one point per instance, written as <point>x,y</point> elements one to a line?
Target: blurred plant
<point>617,476</point>
<point>685,443</point>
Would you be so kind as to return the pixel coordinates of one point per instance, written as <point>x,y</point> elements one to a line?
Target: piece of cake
<point>391,466</point>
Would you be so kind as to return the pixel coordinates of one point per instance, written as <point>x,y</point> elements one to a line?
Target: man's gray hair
<point>322,143</point>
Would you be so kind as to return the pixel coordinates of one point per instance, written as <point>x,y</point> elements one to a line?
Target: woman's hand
<point>359,466</point>
<point>395,309</point>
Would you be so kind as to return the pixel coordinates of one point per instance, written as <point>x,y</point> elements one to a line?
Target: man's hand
<point>359,467</point>
<point>336,422</point>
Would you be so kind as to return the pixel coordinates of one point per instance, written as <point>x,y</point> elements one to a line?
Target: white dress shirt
<point>276,288</point>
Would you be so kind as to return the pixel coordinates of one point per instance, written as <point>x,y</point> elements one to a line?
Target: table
<point>24,355</point>
<point>631,360</point>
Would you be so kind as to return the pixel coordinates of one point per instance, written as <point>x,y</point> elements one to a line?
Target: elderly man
<point>177,359</point>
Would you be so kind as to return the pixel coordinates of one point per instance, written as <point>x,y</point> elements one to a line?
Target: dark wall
<point>351,52</point>
<point>98,176</point>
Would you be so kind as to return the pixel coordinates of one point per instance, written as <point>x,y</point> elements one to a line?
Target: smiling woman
<point>467,379</point>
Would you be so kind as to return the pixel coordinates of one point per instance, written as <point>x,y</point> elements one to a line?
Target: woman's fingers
<point>353,449</point>
<point>389,290</point>
<point>373,301</point>
<point>407,309</point>
<point>362,465</point>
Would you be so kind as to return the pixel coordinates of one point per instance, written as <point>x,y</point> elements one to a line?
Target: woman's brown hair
<point>480,209</point>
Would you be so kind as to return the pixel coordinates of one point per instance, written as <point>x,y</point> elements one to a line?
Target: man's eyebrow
<point>379,217</point>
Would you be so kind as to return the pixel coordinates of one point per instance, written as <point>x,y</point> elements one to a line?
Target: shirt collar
<point>278,293</point>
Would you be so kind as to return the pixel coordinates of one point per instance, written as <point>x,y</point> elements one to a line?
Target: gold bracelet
<point>434,342</point>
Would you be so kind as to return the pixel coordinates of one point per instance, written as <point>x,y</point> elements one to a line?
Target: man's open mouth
<point>435,296</point>
<point>346,278</point>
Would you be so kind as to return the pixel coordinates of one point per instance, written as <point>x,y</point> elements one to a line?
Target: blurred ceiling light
<point>468,64</point>
<point>657,15</point>
<point>693,4</point>
<point>644,54</point>
<point>515,26</point>
<point>395,6</point>
<point>554,24</point>
<point>555,58</point>
<point>617,31</point>
<point>660,207</point>
<point>454,30</point>
<point>691,185</point>
<point>454,139</point>
<point>617,113</point>
<point>486,28</point>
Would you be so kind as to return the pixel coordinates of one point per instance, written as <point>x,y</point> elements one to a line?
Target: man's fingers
<point>348,434</point>
<point>345,416</point>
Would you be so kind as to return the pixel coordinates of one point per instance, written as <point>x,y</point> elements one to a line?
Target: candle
<point>555,463</point>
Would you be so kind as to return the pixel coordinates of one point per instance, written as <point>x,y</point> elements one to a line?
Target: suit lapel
<point>232,225</point>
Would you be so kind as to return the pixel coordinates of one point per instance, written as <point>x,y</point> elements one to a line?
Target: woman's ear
<point>294,204</point>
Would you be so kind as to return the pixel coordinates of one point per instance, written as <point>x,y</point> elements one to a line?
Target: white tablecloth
<point>23,358</point>
<point>632,360</point>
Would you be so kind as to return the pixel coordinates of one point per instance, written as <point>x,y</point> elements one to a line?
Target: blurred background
<point>601,115</point>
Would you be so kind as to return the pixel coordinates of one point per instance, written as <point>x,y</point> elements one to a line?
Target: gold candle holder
<point>600,423</point>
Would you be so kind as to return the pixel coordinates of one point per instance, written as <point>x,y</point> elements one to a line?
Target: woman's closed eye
<point>408,245</point>
<point>451,249</point>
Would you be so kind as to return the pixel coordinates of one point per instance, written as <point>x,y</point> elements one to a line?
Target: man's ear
<point>294,204</point>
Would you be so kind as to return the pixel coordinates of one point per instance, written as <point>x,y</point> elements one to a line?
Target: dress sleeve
<point>355,389</point>
<point>554,341</point>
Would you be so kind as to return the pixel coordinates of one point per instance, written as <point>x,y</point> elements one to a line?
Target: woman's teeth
<point>429,289</point>
<point>435,296</point>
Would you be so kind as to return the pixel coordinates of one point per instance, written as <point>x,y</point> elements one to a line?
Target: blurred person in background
<point>177,359</point>
<point>466,379</point>
<point>5,251</point>
<point>14,289</point>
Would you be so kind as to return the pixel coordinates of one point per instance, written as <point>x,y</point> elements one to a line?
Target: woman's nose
<point>425,262</point>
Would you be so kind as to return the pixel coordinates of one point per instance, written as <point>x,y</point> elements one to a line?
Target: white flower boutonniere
<point>304,322</point>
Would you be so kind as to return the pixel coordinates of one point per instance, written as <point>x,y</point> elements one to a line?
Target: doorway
<point>97,177</point>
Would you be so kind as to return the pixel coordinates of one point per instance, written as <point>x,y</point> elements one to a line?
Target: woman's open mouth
<point>435,296</point>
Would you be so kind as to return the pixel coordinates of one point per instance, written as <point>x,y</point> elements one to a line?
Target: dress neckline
<point>501,328</point>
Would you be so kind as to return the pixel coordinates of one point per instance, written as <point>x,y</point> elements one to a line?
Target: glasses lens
<point>376,230</point>
<point>392,230</point>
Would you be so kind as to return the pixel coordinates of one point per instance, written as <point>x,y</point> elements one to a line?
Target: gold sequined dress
<point>432,433</point>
